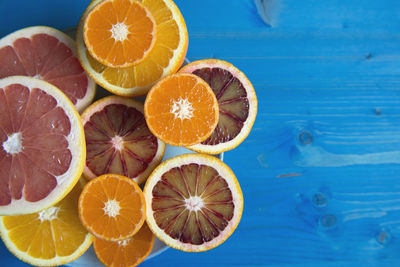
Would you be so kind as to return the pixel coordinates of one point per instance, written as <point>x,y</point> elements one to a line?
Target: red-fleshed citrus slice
<point>50,55</point>
<point>42,145</point>
<point>193,202</point>
<point>237,103</point>
<point>118,140</point>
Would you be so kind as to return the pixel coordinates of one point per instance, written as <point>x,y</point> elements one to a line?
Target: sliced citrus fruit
<point>48,54</point>
<point>119,33</point>
<point>194,202</point>
<point>128,252</point>
<point>118,140</point>
<point>237,103</point>
<point>165,57</point>
<point>181,110</point>
<point>53,236</point>
<point>112,207</point>
<point>42,151</point>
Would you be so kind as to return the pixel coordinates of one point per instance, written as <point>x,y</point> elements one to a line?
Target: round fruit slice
<point>118,140</point>
<point>128,252</point>
<point>119,33</point>
<point>165,58</point>
<point>42,151</point>
<point>54,236</point>
<point>194,202</point>
<point>50,55</point>
<point>112,207</point>
<point>237,103</point>
<point>181,110</point>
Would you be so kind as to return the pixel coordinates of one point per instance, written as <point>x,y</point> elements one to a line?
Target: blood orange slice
<point>193,202</point>
<point>50,55</point>
<point>42,151</point>
<point>237,104</point>
<point>118,140</point>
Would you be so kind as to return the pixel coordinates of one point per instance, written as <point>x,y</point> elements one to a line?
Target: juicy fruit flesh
<point>45,57</point>
<point>152,68</point>
<point>118,141</point>
<point>232,100</point>
<point>29,166</point>
<point>53,232</point>
<point>192,203</point>
<point>124,37</point>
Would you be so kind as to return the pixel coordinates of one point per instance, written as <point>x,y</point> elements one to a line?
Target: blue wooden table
<point>320,170</point>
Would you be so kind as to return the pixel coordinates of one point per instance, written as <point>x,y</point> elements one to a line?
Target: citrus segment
<point>118,140</point>
<point>166,56</point>
<point>119,33</point>
<point>53,236</point>
<point>112,207</point>
<point>48,54</point>
<point>194,202</point>
<point>236,100</point>
<point>42,148</point>
<point>128,252</point>
<point>181,110</point>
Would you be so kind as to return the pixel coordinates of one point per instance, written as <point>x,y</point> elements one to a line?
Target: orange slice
<point>181,110</point>
<point>237,103</point>
<point>112,207</point>
<point>118,140</point>
<point>119,33</point>
<point>42,145</point>
<point>194,202</point>
<point>50,55</point>
<point>128,252</point>
<point>165,58</point>
<point>53,236</point>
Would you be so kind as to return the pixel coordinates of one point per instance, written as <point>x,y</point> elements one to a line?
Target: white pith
<point>48,214</point>
<point>182,108</point>
<point>194,203</point>
<point>119,31</point>
<point>118,142</point>
<point>13,144</point>
<point>111,208</point>
<point>124,242</point>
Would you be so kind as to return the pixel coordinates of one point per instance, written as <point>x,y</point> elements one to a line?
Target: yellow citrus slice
<point>50,55</point>
<point>42,145</point>
<point>237,103</point>
<point>112,207</point>
<point>181,110</point>
<point>53,236</point>
<point>118,140</point>
<point>165,58</point>
<point>119,33</point>
<point>127,252</point>
<point>194,202</point>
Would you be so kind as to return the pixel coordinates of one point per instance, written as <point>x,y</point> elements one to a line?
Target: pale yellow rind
<point>223,170</point>
<point>77,146</point>
<point>99,105</point>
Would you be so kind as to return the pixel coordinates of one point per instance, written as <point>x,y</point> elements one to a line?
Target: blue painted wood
<point>320,170</point>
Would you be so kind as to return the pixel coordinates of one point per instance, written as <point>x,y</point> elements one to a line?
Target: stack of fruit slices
<point>191,202</point>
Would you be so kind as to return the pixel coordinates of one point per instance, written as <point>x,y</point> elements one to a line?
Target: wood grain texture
<point>320,170</point>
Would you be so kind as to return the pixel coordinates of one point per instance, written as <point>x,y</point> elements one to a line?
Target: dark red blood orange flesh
<point>118,141</point>
<point>232,100</point>
<point>192,203</point>
<point>45,57</point>
<point>34,149</point>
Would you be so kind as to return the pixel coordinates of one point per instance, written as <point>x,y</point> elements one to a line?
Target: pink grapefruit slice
<point>237,104</point>
<point>42,146</point>
<point>48,54</point>
<point>118,140</point>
